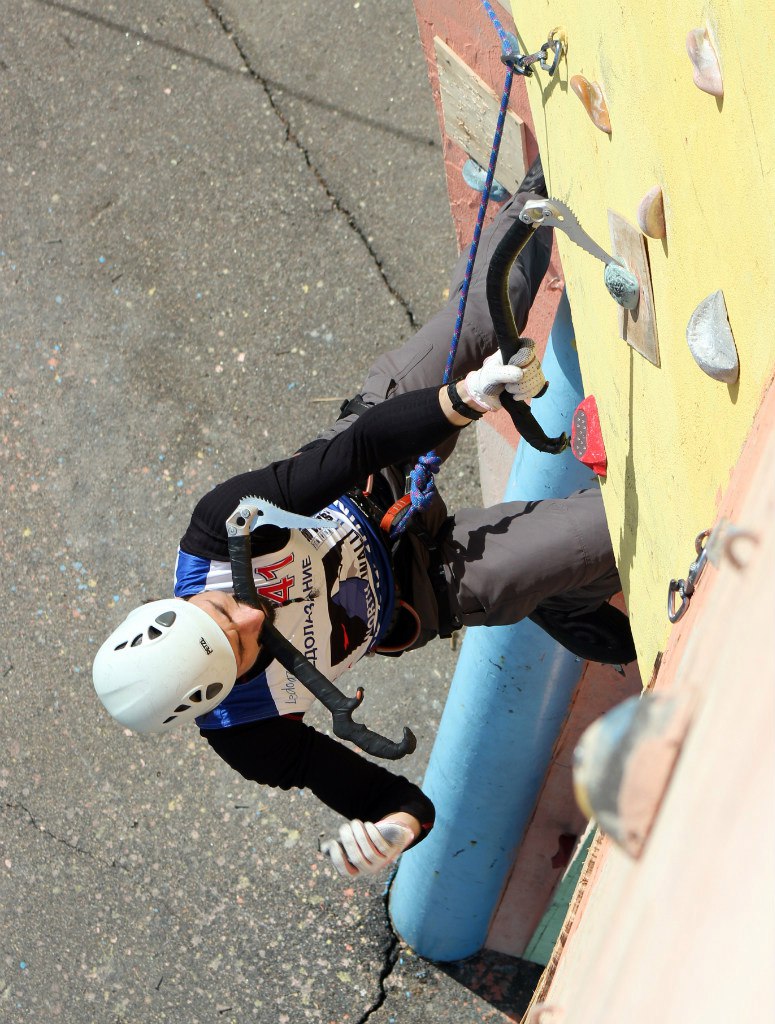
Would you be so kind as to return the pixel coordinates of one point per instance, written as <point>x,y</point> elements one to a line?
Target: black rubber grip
<point>499,305</point>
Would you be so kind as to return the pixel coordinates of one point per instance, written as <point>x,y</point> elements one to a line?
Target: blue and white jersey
<point>333,589</point>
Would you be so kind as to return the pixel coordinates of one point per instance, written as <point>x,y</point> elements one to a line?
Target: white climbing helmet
<point>167,662</point>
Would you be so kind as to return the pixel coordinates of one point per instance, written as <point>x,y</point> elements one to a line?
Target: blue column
<point>507,702</point>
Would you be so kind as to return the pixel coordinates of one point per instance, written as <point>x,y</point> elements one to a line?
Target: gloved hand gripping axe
<point>252,512</point>
<point>509,341</point>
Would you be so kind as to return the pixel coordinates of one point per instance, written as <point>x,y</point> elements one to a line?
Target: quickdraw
<point>523,64</point>
<point>685,588</point>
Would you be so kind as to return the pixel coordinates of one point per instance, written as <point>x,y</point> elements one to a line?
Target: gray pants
<point>500,562</point>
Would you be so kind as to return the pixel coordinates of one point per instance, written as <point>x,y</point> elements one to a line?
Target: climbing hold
<point>587,438</point>
<point>623,286</point>
<point>732,542</point>
<point>545,1013</point>
<point>561,33</point>
<point>475,176</point>
<point>593,101</point>
<point>623,762</point>
<point>711,341</point>
<point>651,213</point>
<point>707,72</point>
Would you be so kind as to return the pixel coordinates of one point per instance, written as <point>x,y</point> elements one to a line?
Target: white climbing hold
<point>651,214</point>
<point>711,341</point>
<point>707,72</point>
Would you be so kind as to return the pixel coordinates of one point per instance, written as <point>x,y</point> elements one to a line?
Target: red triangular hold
<point>587,438</point>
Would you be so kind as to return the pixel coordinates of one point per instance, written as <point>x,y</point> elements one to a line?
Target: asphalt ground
<point>213,215</point>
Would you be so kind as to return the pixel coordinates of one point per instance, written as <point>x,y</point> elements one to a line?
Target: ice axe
<point>509,341</point>
<point>252,512</point>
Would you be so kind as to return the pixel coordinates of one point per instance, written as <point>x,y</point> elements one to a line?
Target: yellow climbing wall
<point>672,433</point>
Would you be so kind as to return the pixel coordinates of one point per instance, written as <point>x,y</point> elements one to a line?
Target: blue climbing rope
<point>507,41</point>
<point>422,483</point>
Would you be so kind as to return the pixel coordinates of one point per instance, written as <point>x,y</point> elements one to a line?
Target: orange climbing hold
<point>593,101</point>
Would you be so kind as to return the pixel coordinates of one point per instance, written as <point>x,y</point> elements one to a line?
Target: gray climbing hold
<point>475,176</point>
<point>623,762</point>
<point>623,286</point>
<point>711,341</point>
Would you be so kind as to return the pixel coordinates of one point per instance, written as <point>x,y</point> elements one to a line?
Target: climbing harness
<point>252,512</point>
<point>685,588</point>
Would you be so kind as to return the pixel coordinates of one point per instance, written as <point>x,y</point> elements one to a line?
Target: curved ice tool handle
<point>340,706</point>
<point>509,341</point>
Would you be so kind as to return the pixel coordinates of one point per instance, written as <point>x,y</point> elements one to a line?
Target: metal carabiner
<point>522,64</point>
<point>676,587</point>
<point>687,587</point>
<point>551,44</point>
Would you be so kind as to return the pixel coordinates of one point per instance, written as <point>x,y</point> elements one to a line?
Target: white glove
<point>533,381</point>
<point>522,381</point>
<point>364,848</point>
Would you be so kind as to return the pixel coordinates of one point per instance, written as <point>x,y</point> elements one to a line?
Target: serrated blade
<point>553,213</point>
<point>253,512</point>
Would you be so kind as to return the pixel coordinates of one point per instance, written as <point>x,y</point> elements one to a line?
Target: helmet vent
<point>166,618</point>
<point>213,690</point>
<point>137,640</point>
<point>168,720</point>
<point>181,707</point>
<point>195,697</point>
<point>121,646</point>
<point>153,632</point>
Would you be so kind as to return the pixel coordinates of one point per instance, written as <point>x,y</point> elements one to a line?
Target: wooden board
<point>471,113</point>
<point>637,327</point>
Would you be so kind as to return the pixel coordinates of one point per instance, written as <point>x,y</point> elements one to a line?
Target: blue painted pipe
<point>506,705</point>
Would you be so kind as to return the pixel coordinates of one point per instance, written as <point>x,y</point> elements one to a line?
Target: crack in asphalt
<point>291,136</point>
<point>390,959</point>
<point>142,36</point>
<point>11,806</point>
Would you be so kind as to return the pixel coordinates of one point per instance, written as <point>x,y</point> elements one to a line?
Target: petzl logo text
<point>204,643</point>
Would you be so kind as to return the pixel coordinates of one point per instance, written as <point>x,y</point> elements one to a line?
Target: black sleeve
<point>287,754</point>
<point>389,433</point>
